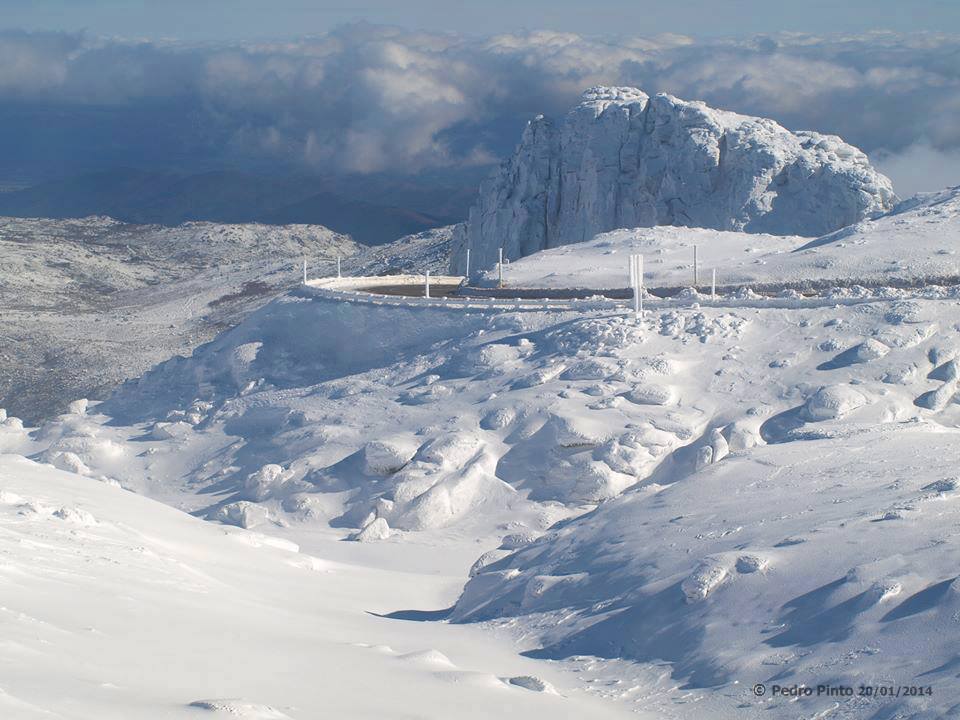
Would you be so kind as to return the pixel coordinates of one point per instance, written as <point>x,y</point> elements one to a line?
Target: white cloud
<point>919,168</point>
<point>368,98</point>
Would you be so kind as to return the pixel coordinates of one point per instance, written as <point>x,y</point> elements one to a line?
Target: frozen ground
<point>659,513</point>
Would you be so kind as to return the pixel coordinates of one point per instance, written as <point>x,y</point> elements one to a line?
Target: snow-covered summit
<point>917,243</point>
<point>601,97</point>
<point>624,159</point>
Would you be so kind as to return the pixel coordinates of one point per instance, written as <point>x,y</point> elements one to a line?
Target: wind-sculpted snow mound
<point>808,563</point>
<point>383,420</point>
<point>622,159</point>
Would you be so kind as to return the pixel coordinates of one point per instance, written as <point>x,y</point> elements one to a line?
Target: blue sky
<point>218,20</point>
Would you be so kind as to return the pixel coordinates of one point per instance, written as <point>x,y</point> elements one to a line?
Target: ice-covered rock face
<point>623,159</point>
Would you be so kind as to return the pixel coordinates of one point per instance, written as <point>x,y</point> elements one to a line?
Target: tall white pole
<point>696,275</point>
<point>304,271</point>
<point>338,266</point>
<point>426,286</point>
<point>640,283</point>
<point>466,272</point>
<point>713,284</point>
<point>500,268</point>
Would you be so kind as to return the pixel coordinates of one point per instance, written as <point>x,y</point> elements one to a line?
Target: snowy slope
<point>443,427</point>
<point>623,159</point>
<point>918,242</point>
<point>427,250</point>
<point>759,478</point>
<point>115,606</point>
<point>831,560</point>
<point>86,304</point>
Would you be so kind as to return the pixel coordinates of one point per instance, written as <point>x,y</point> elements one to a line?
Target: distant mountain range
<point>171,198</point>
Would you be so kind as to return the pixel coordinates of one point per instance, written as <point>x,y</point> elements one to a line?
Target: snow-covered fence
<point>355,290</point>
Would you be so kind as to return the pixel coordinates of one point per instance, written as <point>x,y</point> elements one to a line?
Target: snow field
<point>169,617</point>
<point>692,502</point>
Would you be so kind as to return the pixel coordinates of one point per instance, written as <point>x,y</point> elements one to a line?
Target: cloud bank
<point>371,99</point>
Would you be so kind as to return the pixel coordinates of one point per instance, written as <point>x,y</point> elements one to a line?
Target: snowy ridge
<point>88,303</point>
<point>916,244</point>
<point>623,159</point>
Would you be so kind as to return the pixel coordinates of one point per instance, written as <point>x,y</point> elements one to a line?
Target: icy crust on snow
<point>624,159</point>
<point>917,243</point>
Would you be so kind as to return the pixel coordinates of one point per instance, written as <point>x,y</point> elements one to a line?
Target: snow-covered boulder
<point>241,513</point>
<point>69,461</point>
<point>170,430</point>
<point>624,159</point>
<point>384,457</point>
<point>265,482</point>
<point>11,423</point>
<point>648,394</point>
<point>833,403</point>
<point>377,529</point>
<point>706,578</point>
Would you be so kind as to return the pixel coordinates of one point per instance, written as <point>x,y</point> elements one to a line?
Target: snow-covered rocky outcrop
<point>623,159</point>
<point>916,243</point>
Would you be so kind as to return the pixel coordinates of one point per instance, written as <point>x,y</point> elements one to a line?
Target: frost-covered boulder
<point>75,515</point>
<point>241,513</point>
<point>387,456</point>
<point>623,159</point>
<point>937,399</point>
<point>833,403</point>
<point>170,430</point>
<point>452,450</point>
<point>68,461</point>
<point>377,529</point>
<point>11,423</point>
<point>265,482</point>
<point>647,394</point>
<point>706,578</point>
